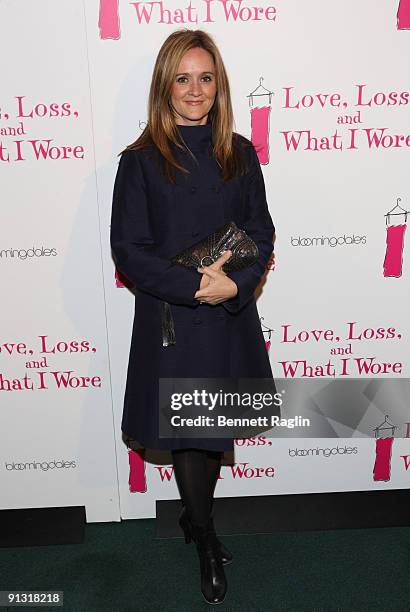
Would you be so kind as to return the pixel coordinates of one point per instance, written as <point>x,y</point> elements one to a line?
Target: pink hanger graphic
<point>109,20</point>
<point>121,280</point>
<point>260,120</point>
<point>266,330</point>
<point>403,15</point>
<point>271,263</point>
<point>393,259</point>
<point>384,442</point>
<point>137,480</point>
<point>381,470</point>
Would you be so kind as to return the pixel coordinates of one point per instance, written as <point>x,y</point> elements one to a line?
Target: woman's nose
<point>196,87</point>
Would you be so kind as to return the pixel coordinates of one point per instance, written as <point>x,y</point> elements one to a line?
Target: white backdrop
<point>336,125</point>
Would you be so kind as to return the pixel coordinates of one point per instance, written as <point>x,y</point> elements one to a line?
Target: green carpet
<point>123,566</point>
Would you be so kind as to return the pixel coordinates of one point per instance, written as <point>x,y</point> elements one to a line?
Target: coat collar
<point>196,136</point>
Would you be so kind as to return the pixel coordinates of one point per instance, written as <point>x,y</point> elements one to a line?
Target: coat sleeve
<point>259,226</point>
<point>135,253</point>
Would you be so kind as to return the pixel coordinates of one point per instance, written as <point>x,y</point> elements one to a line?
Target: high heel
<point>213,579</point>
<point>184,522</point>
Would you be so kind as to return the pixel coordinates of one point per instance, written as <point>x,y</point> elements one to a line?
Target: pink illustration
<point>270,265</point>
<point>260,121</point>
<point>260,132</point>
<point>118,281</point>
<point>381,470</point>
<point>267,331</point>
<point>394,250</point>
<point>393,260</point>
<point>403,15</point>
<point>137,480</point>
<point>121,280</point>
<point>109,20</point>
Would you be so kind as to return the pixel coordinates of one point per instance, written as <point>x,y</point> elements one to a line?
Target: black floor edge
<point>301,512</point>
<point>42,526</point>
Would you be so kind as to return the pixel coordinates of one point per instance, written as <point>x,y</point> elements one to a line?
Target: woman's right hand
<point>217,265</point>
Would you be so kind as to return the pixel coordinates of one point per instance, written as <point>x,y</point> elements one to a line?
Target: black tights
<point>196,473</point>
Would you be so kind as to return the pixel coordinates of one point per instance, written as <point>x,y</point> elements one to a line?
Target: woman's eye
<point>183,79</point>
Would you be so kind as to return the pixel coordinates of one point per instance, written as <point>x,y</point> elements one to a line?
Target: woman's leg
<point>195,470</point>
<point>213,462</point>
<point>214,459</point>
<point>193,476</point>
<point>193,480</point>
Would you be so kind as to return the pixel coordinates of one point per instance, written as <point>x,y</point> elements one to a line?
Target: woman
<point>185,177</point>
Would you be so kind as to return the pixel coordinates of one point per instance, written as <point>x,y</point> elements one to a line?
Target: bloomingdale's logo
<point>324,452</point>
<point>332,241</point>
<point>27,253</point>
<point>39,465</point>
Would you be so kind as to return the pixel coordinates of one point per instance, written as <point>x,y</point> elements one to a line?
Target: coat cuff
<point>170,282</point>
<point>187,283</point>
<point>246,291</point>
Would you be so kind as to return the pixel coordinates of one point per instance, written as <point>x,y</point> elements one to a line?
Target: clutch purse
<point>204,253</point>
<point>209,249</point>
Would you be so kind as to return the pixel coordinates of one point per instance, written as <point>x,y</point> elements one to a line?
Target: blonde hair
<point>161,127</point>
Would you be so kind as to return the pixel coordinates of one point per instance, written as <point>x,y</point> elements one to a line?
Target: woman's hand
<point>216,286</point>
<point>216,265</point>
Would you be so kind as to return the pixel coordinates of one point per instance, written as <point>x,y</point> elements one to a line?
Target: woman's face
<point>194,88</point>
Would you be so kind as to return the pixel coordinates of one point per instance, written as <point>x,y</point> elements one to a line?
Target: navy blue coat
<point>153,219</point>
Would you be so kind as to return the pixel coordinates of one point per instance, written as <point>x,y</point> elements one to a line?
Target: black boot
<point>213,580</point>
<point>226,555</point>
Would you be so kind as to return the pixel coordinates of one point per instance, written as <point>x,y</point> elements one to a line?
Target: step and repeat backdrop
<point>323,91</point>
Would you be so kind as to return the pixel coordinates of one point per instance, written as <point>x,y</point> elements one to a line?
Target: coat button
<point>193,190</point>
<point>197,321</point>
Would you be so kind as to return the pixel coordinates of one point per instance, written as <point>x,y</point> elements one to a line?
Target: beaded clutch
<point>209,249</point>
<point>204,253</point>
